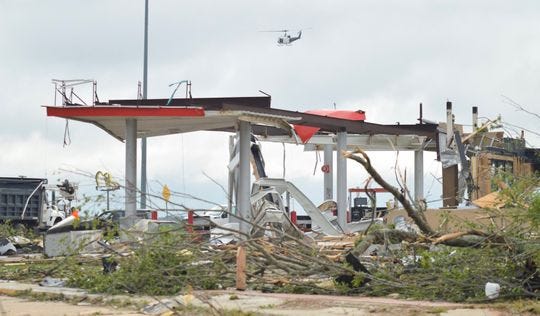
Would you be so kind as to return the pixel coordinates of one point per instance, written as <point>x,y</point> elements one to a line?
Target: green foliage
<point>451,274</point>
<point>9,228</point>
<point>533,212</point>
<point>375,227</point>
<point>358,280</point>
<point>520,191</point>
<point>165,265</point>
<point>25,272</point>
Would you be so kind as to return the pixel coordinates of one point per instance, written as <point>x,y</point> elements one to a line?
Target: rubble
<point>162,307</point>
<point>52,282</point>
<point>72,242</point>
<point>7,247</point>
<point>225,234</point>
<point>407,255</point>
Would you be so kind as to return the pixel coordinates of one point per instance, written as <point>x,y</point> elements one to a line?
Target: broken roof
<point>159,117</point>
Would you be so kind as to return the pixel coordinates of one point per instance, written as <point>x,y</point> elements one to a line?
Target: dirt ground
<point>293,305</point>
<point>15,306</point>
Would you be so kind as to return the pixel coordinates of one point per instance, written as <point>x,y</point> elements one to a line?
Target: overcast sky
<point>383,57</point>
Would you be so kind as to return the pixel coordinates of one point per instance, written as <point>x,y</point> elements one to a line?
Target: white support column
<point>131,168</point>
<point>244,181</point>
<point>231,180</point>
<point>419,175</point>
<point>341,179</point>
<point>329,176</point>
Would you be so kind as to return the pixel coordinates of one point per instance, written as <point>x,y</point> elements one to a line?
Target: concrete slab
<point>253,301</point>
<point>72,242</point>
<point>16,306</point>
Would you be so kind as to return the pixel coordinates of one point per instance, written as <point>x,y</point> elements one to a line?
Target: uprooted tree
<point>515,245</point>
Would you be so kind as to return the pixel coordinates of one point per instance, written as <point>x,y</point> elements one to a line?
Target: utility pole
<point>144,96</point>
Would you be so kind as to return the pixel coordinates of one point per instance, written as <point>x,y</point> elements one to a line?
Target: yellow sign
<point>166,193</point>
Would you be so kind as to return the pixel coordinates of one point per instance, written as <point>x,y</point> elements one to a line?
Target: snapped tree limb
<point>413,213</point>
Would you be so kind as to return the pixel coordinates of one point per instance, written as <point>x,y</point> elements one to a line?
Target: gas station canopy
<point>156,117</point>
<point>126,120</point>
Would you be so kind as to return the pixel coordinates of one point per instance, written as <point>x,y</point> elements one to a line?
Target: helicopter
<point>286,39</point>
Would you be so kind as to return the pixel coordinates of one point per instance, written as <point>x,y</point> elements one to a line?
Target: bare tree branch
<point>418,217</point>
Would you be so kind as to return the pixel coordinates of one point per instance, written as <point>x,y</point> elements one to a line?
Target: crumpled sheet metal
<point>449,158</point>
<point>6,247</point>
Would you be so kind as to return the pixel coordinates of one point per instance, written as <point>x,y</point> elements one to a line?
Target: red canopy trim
<point>306,132</point>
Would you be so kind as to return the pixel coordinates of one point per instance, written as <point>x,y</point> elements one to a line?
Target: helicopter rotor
<point>275,31</point>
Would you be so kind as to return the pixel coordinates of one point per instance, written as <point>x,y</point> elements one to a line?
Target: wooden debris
<point>491,200</point>
<point>241,269</point>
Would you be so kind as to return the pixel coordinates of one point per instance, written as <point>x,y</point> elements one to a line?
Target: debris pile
<point>407,257</point>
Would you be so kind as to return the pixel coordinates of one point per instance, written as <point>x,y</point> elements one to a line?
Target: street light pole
<point>144,95</point>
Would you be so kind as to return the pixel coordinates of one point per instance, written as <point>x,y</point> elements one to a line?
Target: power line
<point>518,106</point>
<point>523,128</point>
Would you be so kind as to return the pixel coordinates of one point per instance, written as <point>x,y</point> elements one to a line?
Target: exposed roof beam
<point>366,142</point>
<point>206,103</point>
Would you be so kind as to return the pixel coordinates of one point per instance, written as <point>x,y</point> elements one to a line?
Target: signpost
<point>166,194</point>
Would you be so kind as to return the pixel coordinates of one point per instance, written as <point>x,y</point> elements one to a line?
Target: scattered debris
<point>6,247</point>
<point>225,234</point>
<point>358,267</point>
<point>20,241</point>
<point>492,290</point>
<point>52,282</point>
<point>109,264</point>
<point>72,242</point>
<point>401,224</point>
<point>161,307</point>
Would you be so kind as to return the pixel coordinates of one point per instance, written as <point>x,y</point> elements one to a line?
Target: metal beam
<point>330,124</point>
<point>449,123</point>
<point>419,175</point>
<point>143,172</point>
<point>244,181</point>
<point>329,176</point>
<point>366,142</point>
<point>231,181</point>
<point>341,179</point>
<point>206,103</point>
<point>450,174</point>
<point>144,95</point>
<point>131,168</point>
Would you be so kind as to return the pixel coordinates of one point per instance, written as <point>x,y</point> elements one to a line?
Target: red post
<point>293,217</point>
<point>190,221</point>
<point>153,215</point>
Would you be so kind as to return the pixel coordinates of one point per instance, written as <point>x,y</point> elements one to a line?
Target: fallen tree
<point>415,211</point>
<point>429,264</point>
<point>518,242</point>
